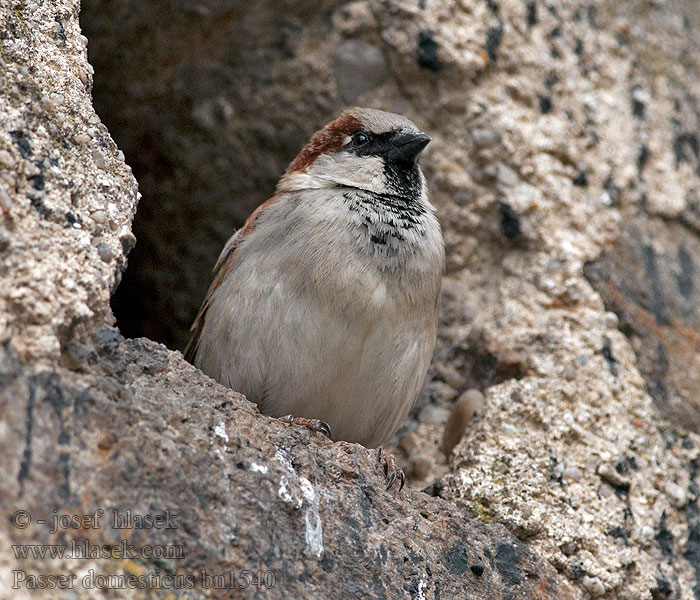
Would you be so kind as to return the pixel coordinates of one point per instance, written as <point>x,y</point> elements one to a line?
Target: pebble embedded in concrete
<point>507,176</point>
<point>6,159</point>
<point>593,585</point>
<point>358,67</point>
<point>4,240</point>
<point>641,96</point>
<point>569,548</point>
<point>5,202</point>
<point>485,138</point>
<point>648,533</point>
<point>608,472</point>
<point>105,252</point>
<point>572,473</point>
<point>569,372</point>
<point>467,406</point>
<point>100,161</point>
<point>611,320</point>
<point>676,494</point>
<point>99,216</point>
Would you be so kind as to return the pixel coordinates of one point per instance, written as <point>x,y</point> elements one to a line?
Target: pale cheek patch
<point>343,168</point>
<point>363,169</point>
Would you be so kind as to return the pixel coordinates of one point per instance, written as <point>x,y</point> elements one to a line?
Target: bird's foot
<point>391,471</point>
<point>312,424</point>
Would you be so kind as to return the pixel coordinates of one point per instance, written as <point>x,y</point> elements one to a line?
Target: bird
<point>324,305</point>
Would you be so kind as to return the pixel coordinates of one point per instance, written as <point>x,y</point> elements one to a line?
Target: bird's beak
<point>406,146</point>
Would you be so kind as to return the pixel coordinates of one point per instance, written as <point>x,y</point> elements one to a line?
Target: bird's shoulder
<point>222,268</point>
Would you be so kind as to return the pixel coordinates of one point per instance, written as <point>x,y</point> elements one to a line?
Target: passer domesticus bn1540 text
<point>324,304</point>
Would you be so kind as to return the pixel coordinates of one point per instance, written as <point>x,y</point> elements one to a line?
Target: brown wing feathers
<point>221,270</point>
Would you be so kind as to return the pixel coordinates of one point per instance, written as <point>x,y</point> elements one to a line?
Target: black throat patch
<point>391,222</point>
<point>404,179</point>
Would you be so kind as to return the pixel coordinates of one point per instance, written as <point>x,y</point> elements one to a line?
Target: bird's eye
<point>360,138</point>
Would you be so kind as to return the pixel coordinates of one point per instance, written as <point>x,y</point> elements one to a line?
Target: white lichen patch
<point>286,495</point>
<point>421,590</point>
<point>258,468</point>
<point>282,457</point>
<point>312,519</point>
<point>297,491</point>
<point>220,431</point>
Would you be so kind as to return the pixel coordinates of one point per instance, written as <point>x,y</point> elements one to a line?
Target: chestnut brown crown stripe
<point>328,139</point>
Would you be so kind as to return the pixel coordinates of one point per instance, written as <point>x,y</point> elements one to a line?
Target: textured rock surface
<point>564,136</point>
<point>90,422</point>
<point>144,431</point>
<point>66,197</point>
<point>649,278</point>
<point>569,454</point>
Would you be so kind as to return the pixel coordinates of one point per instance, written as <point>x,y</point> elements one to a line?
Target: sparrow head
<point>363,148</point>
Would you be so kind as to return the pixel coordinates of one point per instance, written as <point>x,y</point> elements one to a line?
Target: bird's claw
<point>391,471</point>
<point>312,424</point>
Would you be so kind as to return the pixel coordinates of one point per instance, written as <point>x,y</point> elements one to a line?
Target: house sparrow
<point>324,304</point>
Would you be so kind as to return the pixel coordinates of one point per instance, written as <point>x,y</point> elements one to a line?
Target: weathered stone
<point>53,182</point>
<point>359,67</point>
<point>649,279</point>
<point>143,431</point>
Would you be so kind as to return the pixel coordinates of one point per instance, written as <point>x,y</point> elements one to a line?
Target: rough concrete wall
<point>143,431</point>
<point>565,157</point>
<point>66,197</point>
